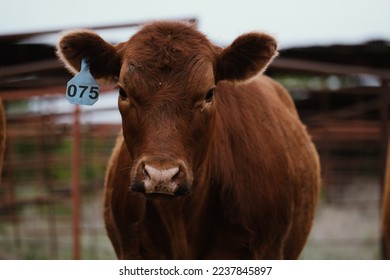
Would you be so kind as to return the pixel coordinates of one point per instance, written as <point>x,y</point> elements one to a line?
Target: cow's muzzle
<point>161,179</point>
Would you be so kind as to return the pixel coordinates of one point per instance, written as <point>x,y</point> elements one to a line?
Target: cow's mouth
<point>161,193</point>
<point>160,196</point>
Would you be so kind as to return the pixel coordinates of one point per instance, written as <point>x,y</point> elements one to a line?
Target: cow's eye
<point>209,96</point>
<point>122,94</point>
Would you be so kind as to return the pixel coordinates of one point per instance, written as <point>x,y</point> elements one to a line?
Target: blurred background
<point>334,59</point>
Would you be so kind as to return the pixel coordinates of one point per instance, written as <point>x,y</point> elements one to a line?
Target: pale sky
<point>292,22</point>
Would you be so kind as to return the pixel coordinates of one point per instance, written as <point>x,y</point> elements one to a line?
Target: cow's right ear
<point>104,58</point>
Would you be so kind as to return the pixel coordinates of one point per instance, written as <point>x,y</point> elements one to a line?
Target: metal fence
<point>50,197</point>
<point>38,201</point>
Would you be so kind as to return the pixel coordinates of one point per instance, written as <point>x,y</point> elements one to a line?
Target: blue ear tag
<point>83,89</point>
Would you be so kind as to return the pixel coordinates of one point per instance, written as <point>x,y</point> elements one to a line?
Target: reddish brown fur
<point>248,161</point>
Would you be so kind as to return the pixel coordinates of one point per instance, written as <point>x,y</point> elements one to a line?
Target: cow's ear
<point>247,56</point>
<point>105,59</point>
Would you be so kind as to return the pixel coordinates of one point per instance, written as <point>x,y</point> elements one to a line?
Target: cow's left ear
<point>104,58</point>
<point>247,56</point>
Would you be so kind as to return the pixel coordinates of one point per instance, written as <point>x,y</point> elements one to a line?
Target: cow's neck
<point>189,220</point>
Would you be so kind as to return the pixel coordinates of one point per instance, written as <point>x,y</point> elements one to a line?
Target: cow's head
<point>167,76</point>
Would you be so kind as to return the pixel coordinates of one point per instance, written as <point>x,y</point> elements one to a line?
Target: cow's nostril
<point>176,176</point>
<point>138,187</point>
<point>146,174</point>
<point>183,190</point>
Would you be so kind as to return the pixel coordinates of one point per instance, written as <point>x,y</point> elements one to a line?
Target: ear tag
<point>83,89</point>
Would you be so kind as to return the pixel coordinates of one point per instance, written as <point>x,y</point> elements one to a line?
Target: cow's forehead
<point>168,46</point>
<point>168,58</point>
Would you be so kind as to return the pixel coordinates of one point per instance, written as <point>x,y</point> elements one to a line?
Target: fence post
<point>385,203</point>
<point>75,177</point>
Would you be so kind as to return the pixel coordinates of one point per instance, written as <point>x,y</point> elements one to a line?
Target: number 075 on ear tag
<point>83,89</point>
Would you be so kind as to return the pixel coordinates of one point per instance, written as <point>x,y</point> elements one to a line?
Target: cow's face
<point>166,76</point>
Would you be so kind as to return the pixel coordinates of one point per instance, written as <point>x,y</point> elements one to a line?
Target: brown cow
<point>207,166</point>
